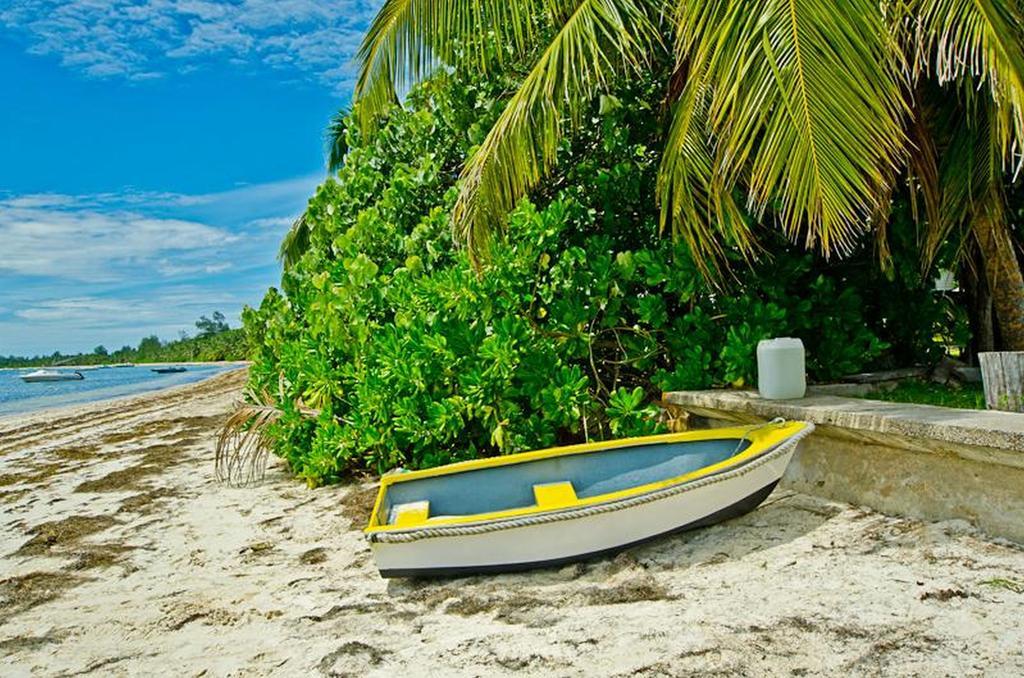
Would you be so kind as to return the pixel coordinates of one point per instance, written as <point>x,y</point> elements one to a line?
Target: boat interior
<point>547,483</point>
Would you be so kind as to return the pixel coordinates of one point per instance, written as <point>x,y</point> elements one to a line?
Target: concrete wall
<point>974,476</point>
<point>897,480</point>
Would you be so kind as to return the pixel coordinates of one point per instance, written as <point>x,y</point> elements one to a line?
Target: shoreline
<point>126,400</point>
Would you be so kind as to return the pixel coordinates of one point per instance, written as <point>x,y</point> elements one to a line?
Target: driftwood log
<point>1003,375</point>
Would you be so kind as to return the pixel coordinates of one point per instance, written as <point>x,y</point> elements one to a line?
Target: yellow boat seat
<point>555,495</point>
<point>413,513</point>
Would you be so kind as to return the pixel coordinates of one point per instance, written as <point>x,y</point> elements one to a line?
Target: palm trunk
<point>979,307</point>
<point>1005,281</point>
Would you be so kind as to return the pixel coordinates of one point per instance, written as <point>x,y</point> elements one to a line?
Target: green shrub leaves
<point>580,316</point>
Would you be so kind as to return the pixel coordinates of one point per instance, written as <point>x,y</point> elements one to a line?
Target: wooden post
<point>1003,374</point>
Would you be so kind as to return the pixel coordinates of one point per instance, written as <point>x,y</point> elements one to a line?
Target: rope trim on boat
<point>418,533</point>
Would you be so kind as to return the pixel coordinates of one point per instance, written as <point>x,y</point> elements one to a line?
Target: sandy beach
<point>121,555</point>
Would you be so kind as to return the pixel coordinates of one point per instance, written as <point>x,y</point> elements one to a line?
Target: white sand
<point>156,569</point>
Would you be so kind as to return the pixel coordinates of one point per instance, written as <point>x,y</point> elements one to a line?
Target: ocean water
<point>17,397</point>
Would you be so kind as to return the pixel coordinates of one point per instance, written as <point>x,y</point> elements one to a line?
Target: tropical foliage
<point>808,114</point>
<point>385,346</point>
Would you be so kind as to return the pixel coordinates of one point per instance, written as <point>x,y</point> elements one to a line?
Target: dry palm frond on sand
<point>243,443</point>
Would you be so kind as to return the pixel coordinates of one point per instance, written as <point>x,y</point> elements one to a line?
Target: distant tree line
<point>214,340</point>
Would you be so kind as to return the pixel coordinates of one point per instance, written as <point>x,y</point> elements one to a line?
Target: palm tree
<point>296,240</point>
<point>337,140</point>
<point>817,110</point>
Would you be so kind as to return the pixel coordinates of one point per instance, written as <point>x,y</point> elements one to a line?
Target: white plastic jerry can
<point>780,369</point>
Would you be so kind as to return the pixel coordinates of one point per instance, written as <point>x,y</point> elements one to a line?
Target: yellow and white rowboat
<point>564,504</point>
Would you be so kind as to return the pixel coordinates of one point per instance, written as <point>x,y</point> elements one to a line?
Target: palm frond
<point>805,109</point>
<point>923,161</point>
<point>243,443</point>
<point>408,39</point>
<point>970,174</point>
<point>243,448</point>
<point>337,140</point>
<point>295,242</point>
<point>597,40</point>
<point>980,40</point>
<point>692,197</point>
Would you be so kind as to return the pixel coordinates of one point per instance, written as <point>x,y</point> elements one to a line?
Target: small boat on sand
<point>51,375</point>
<point>565,504</point>
<point>169,370</point>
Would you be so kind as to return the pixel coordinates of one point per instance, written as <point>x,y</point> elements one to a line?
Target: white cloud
<point>264,204</point>
<point>88,309</point>
<point>144,39</point>
<point>176,268</point>
<point>93,246</point>
<point>110,268</point>
<point>94,312</point>
<point>278,223</point>
<point>38,200</point>
<point>119,237</point>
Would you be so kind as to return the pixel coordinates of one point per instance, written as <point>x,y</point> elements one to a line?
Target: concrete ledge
<point>931,463</point>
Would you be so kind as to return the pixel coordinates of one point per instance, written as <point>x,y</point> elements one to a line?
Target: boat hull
<point>605,530</point>
<point>52,378</point>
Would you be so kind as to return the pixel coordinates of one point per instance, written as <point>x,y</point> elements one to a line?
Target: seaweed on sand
<point>26,591</point>
<point>61,534</point>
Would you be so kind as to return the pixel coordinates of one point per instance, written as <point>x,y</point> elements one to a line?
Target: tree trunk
<point>986,327</point>
<point>1003,374</point>
<point>1005,282</point>
<point>978,301</point>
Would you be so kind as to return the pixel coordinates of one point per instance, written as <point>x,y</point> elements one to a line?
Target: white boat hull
<point>32,379</point>
<point>702,502</point>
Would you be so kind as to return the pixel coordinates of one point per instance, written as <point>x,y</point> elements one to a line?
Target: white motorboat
<point>51,375</point>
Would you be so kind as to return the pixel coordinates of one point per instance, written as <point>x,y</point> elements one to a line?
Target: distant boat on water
<point>51,375</point>
<point>169,370</point>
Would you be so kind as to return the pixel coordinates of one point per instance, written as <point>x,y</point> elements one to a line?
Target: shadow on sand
<point>629,576</point>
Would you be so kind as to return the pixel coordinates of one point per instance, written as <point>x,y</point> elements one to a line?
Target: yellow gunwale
<point>761,436</point>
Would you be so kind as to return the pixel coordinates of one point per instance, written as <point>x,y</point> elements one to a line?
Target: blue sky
<point>153,153</point>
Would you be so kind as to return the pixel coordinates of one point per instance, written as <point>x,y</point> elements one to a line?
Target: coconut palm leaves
<point>966,43</point>
<point>295,242</point>
<point>803,107</point>
<point>591,40</point>
<point>337,140</point>
<point>242,448</point>
<point>806,107</point>
<point>244,443</point>
<point>597,40</point>
<point>408,39</point>
<point>976,50</point>
<point>981,41</point>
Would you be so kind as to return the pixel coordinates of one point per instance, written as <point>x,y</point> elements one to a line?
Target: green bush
<point>581,315</point>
